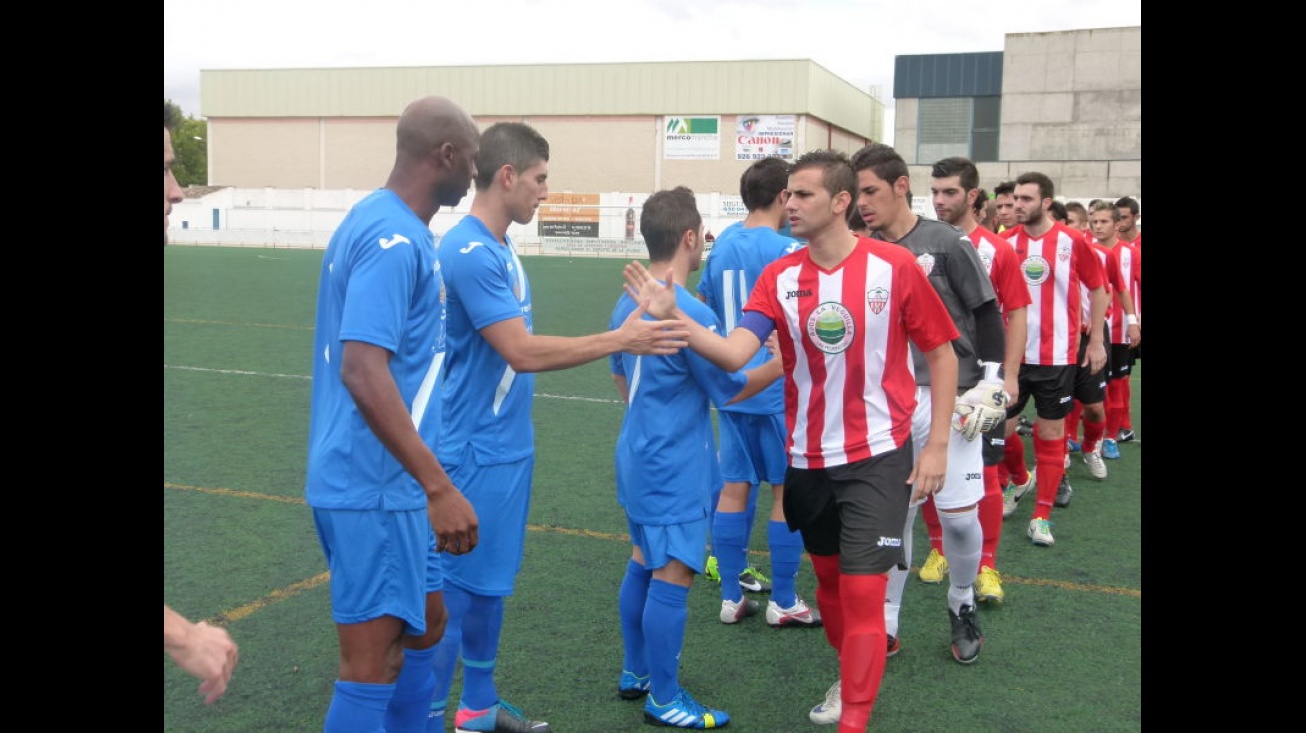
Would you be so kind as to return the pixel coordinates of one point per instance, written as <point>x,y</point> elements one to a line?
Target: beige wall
<point>1072,108</point>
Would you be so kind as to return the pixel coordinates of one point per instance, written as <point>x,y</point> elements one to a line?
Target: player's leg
<point>988,585</point>
<point>1051,387</point>
<point>369,556</point>
<point>631,601</point>
<point>873,497</point>
<point>963,540</point>
<point>410,706</point>
<point>674,554</point>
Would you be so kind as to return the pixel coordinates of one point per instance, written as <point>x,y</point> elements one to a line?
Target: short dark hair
<point>836,173</point>
<point>981,200</point>
<point>508,143</point>
<point>1058,212</point>
<point>1006,188</point>
<point>667,215</point>
<point>883,160</point>
<point>965,170</point>
<point>1045,188</point>
<point>1127,202</point>
<point>1076,206</point>
<point>762,181</point>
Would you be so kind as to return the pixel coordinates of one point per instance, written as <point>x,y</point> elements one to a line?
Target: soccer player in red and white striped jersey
<point>844,309</point>
<point>1055,260</point>
<point>1127,228</point>
<point>1123,322</point>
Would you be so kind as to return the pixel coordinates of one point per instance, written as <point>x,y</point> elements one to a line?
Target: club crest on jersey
<point>926,261</point>
<point>830,328</point>
<point>1035,269</point>
<point>877,299</point>
<point>1063,250</point>
<point>986,259</point>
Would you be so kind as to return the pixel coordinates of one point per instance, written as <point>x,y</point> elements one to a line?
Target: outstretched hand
<point>659,299</point>
<point>660,338</point>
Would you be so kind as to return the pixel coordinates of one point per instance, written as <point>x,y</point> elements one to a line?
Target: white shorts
<point>964,483</point>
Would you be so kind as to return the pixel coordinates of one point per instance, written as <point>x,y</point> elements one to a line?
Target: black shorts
<point>1121,363</point>
<point>1052,387</point>
<point>995,444</point>
<point>857,510</point>
<point>1090,387</point>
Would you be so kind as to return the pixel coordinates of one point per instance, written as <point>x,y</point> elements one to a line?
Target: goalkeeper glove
<point>982,408</point>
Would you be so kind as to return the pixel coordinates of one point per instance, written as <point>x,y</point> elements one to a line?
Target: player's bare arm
<point>365,370</point>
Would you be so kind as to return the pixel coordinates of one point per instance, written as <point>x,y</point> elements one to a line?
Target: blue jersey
<point>733,266</point>
<point>486,404</point>
<point>380,285</point>
<point>666,453</point>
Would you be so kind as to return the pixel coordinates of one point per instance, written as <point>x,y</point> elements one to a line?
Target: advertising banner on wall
<point>569,215</point>
<point>764,136</point>
<point>692,138</point>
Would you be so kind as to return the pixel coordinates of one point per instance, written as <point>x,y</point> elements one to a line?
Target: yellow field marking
<point>295,589</point>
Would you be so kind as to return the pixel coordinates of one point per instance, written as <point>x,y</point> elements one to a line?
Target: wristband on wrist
<point>1131,319</point>
<point>993,371</point>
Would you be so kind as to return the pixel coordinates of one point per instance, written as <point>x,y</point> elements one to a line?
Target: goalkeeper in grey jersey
<point>953,267</point>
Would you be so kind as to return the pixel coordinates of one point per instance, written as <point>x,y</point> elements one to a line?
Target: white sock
<point>898,579</point>
<point>963,543</point>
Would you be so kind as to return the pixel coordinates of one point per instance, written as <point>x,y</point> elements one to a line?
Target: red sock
<point>826,570</point>
<point>1114,388</point>
<point>990,516</point>
<point>932,525</point>
<point>861,663</point>
<point>1092,434</point>
<point>1049,467</point>
<point>1072,421</point>
<point>1013,457</point>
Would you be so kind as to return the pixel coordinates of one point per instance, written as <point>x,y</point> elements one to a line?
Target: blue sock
<point>412,699</point>
<point>750,516</point>
<point>665,615</point>
<point>630,602</point>
<point>729,538</point>
<point>481,628</point>
<point>445,660</point>
<point>357,707</point>
<point>786,558</point>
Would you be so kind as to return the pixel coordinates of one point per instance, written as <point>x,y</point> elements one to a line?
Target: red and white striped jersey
<point>1054,266</point>
<point>999,259</point>
<point>850,388</point>
<point>1131,272</point>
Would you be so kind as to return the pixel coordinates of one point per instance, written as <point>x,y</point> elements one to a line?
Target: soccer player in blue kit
<point>488,445</point>
<point>381,502</point>
<point>666,474</point>
<point>753,431</point>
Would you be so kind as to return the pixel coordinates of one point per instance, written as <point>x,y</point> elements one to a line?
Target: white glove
<point>980,409</point>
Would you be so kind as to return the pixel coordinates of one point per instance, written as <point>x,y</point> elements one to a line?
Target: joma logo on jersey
<point>889,542</point>
<point>791,294</point>
<point>974,477</point>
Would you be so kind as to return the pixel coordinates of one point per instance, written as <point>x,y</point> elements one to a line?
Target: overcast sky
<point>855,39</point>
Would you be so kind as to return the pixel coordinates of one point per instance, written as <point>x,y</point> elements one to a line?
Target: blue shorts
<point>753,447</point>
<point>382,563</point>
<point>660,543</point>
<point>501,495</point>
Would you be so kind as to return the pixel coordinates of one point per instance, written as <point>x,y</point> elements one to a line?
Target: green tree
<point>190,144</point>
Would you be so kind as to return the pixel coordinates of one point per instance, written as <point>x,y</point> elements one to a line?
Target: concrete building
<point>1066,103</point>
